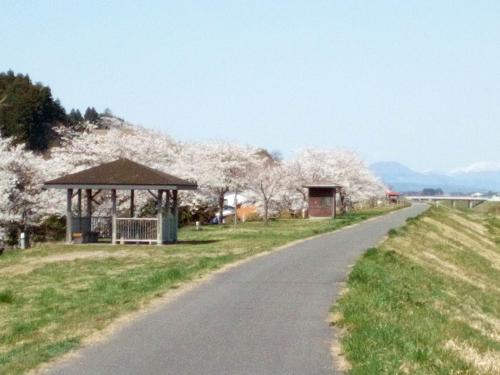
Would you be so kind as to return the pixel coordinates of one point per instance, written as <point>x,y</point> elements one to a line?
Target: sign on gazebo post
<point>122,174</point>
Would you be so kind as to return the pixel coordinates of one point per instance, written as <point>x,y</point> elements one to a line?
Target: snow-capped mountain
<point>479,167</point>
<point>477,177</point>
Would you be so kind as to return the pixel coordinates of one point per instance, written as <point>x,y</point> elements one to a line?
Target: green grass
<point>426,301</point>
<point>53,296</point>
<point>492,207</point>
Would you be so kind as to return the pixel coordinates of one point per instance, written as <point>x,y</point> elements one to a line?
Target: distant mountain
<point>479,177</point>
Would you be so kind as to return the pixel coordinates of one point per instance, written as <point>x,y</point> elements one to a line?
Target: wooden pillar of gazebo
<point>159,213</point>
<point>166,211</point>
<point>88,196</point>
<point>113,216</point>
<point>69,216</point>
<point>79,206</point>
<point>175,213</point>
<point>132,205</point>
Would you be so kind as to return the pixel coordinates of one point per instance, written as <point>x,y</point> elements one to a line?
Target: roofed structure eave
<point>321,186</point>
<point>120,187</point>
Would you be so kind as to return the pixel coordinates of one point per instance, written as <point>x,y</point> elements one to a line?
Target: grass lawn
<point>53,296</point>
<point>427,300</point>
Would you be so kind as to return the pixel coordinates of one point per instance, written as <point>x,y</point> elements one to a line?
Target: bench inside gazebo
<point>116,177</point>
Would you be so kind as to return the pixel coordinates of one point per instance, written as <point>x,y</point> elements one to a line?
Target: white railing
<point>136,229</point>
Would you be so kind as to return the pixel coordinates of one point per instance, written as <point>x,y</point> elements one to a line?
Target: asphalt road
<point>266,316</point>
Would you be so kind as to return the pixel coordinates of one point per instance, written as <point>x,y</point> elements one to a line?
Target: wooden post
<point>113,217</point>
<point>168,202</point>
<point>132,208</point>
<point>176,214</point>
<point>79,206</point>
<point>69,234</point>
<point>88,221</point>
<point>159,209</point>
<point>79,210</point>
<point>88,193</point>
<point>334,202</point>
<point>167,215</point>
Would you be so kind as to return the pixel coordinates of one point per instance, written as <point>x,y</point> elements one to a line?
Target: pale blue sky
<point>412,81</point>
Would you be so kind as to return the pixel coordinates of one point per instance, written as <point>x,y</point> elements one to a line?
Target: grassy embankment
<point>491,207</point>
<point>53,296</point>
<point>427,300</point>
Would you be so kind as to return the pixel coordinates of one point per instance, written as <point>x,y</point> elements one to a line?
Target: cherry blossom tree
<point>21,183</point>
<point>265,182</point>
<point>218,168</point>
<point>344,168</point>
<point>82,150</point>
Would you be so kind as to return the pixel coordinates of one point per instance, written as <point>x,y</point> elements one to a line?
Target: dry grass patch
<point>427,300</point>
<point>485,363</point>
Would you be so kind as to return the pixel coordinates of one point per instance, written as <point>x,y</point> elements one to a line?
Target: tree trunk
<point>221,206</point>
<point>266,212</point>
<point>342,201</point>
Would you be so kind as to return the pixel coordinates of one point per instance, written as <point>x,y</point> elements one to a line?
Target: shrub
<point>12,234</point>
<point>52,229</point>
<point>6,296</point>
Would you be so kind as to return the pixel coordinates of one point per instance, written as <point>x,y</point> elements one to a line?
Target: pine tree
<point>91,115</point>
<point>28,112</point>
<point>75,117</point>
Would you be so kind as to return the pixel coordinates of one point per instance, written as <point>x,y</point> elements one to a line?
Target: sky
<point>411,81</point>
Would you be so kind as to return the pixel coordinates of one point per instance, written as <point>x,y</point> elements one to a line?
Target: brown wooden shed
<point>322,200</point>
<point>119,175</point>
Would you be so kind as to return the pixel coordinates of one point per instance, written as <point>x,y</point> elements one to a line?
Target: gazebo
<point>322,200</point>
<point>120,175</point>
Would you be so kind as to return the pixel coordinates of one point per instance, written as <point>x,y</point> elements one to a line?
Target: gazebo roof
<point>121,174</point>
<point>323,184</point>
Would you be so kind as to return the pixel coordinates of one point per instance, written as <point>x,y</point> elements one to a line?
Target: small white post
<point>22,241</point>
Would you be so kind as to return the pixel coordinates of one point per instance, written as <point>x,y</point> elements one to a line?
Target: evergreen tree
<point>91,115</point>
<point>28,112</point>
<point>75,117</point>
<point>108,112</point>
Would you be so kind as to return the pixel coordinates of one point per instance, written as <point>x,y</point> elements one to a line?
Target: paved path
<point>266,316</point>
